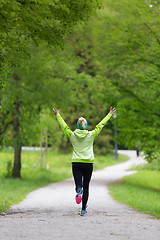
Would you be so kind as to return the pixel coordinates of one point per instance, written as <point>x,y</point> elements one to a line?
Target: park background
<point>80,57</point>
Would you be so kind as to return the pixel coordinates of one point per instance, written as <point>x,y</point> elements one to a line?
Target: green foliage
<point>47,79</point>
<point>108,61</point>
<point>140,191</point>
<point>39,21</point>
<point>153,164</point>
<point>136,74</point>
<point>3,72</point>
<point>9,166</point>
<point>128,66</point>
<point>44,20</point>
<point>35,87</point>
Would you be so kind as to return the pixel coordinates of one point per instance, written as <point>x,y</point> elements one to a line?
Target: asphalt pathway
<point>51,212</point>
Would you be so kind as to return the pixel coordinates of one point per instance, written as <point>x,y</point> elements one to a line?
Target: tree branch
<point>130,93</point>
<point>4,129</point>
<point>153,33</point>
<point>25,88</point>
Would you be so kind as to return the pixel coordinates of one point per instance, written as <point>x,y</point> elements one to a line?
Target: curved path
<point>44,214</point>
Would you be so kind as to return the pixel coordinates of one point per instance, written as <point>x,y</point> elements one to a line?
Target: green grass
<point>105,161</point>
<point>13,191</point>
<point>140,191</point>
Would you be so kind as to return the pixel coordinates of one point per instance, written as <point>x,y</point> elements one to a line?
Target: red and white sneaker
<point>79,196</point>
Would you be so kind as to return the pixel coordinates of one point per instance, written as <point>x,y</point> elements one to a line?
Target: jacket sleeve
<point>67,131</point>
<point>99,126</point>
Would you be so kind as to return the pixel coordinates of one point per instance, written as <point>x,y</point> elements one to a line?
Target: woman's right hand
<point>55,111</point>
<point>112,111</point>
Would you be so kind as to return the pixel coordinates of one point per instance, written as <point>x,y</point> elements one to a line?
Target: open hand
<point>112,110</point>
<point>55,111</point>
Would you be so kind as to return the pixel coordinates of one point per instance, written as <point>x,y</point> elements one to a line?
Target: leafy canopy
<point>38,21</point>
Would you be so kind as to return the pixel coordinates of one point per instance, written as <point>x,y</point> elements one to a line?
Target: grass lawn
<point>14,190</point>
<point>140,191</point>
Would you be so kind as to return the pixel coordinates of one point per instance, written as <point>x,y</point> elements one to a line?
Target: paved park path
<point>50,213</point>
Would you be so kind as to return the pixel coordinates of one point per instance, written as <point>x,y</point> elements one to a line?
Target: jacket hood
<point>80,133</point>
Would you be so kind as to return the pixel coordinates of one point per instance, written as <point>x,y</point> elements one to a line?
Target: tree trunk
<point>16,172</point>
<point>46,148</point>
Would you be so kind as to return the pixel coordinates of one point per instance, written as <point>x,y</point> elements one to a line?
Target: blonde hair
<point>82,122</point>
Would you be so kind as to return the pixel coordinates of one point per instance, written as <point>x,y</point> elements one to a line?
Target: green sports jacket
<point>82,140</point>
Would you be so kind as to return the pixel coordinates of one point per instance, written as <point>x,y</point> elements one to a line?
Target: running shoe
<point>84,212</point>
<point>79,196</point>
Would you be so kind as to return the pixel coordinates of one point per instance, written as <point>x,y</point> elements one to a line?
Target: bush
<point>9,167</point>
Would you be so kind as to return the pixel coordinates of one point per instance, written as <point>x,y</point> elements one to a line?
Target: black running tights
<point>82,173</point>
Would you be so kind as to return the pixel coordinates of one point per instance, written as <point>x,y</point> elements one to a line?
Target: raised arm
<point>67,131</point>
<point>99,126</point>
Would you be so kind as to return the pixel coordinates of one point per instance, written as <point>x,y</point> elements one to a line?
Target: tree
<point>39,21</point>
<point>132,65</point>
<point>28,90</point>
<point>117,52</point>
